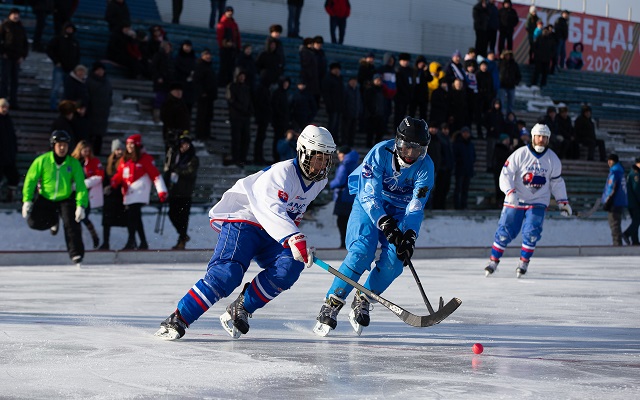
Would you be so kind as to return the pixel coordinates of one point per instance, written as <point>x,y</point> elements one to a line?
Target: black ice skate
<point>522,268</point>
<point>328,317</point>
<point>491,267</point>
<point>236,320</point>
<point>173,327</point>
<point>359,315</point>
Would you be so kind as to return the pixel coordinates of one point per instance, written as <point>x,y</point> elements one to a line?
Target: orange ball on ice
<point>477,348</point>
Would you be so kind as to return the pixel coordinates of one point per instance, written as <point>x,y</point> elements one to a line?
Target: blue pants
<point>237,245</point>
<point>512,221</point>
<point>362,241</point>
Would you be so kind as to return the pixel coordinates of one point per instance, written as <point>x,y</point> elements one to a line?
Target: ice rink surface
<point>570,329</point>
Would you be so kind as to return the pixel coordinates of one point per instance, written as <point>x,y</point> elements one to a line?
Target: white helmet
<point>540,130</point>
<point>314,140</point>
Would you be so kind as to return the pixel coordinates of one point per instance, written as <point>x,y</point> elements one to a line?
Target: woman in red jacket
<point>339,11</point>
<point>135,175</point>
<point>94,174</point>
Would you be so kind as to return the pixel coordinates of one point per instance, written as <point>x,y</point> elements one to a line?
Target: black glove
<point>404,250</point>
<point>389,227</point>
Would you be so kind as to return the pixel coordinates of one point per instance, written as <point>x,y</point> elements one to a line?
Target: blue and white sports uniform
<point>534,177</point>
<point>381,188</point>
<point>254,218</point>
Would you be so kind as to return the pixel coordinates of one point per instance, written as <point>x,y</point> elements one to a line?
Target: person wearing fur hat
<point>181,171</point>
<point>135,174</point>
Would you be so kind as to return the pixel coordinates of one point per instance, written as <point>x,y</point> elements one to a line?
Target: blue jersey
<point>380,184</point>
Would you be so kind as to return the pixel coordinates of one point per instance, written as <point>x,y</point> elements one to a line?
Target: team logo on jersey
<point>283,196</point>
<point>367,171</point>
<point>533,181</point>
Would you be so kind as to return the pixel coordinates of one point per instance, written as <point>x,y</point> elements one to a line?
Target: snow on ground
<point>569,329</point>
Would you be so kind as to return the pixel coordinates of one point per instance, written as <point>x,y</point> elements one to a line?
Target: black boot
<point>131,244</point>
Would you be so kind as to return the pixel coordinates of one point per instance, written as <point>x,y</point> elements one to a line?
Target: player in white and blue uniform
<point>529,177</point>
<point>392,186</point>
<point>258,220</point>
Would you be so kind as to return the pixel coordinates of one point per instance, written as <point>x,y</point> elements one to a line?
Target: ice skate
<point>77,260</point>
<point>236,320</point>
<point>359,315</point>
<point>172,328</point>
<point>54,229</point>
<point>327,319</point>
<point>522,268</point>
<point>491,267</point>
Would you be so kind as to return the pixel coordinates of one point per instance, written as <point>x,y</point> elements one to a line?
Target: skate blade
<point>227,325</point>
<point>354,324</point>
<point>321,329</point>
<point>167,334</point>
<point>518,274</point>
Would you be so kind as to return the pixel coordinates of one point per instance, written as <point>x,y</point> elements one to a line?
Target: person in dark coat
<point>343,201</point>
<point>501,151</point>
<point>374,111</point>
<point>510,77</point>
<point>544,49</point>
<point>366,69</point>
<point>262,114</point>
<point>268,63</point>
<point>493,26</point>
<point>157,36</point>
<point>495,127</point>
<point>66,112</point>
<point>445,168</point>
<point>14,49</point>
<point>303,107</point>
<point>405,86</point>
<point>176,120</point>
<point>180,173</point>
<point>122,49</point>
<point>630,235</point>
<point>321,58</point>
<point>458,106</point>
<point>280,114</point>
<point>113,211</point>
<point>561,30</point>
<point>420,98</point>
<point>82,128</point>
<point>275,31</point>
<point>555,141</point>
<point>246,62</point>
<point>309,68</point>
<point>585,131</point>
<point>100,102</point>
<point>439,113</point>
<point>8,151</point>
<point>333,95</point>
<point>485,91</point>
<point>75,85</point>
<point>238,97</point>
<point>162,72</point>
<point>116,12</point>
<point>64,52</point>
<point>464,154</point>
<point>351,113</point>
<point>508,22</point>
<point>206,92</point>
<point>510,127</point>
<point>481,26</point>
<point>570,145</point>
<point>229,45</point>
<point>41,9</point>
<point>185,65</point>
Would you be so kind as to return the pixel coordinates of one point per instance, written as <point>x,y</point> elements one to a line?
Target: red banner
<point>610,45</point>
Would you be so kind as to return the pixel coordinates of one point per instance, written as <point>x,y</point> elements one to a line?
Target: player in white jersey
<point>392,186</point>
<point>529,177</point>
<point>258,220</point>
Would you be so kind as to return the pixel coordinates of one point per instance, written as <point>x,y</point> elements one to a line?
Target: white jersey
<point>534,177</point>
<point>274,199</point>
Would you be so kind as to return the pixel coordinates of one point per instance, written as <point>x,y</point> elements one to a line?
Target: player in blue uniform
<point>392,186</point>
<point>528,178</point>
<point>258,220</point>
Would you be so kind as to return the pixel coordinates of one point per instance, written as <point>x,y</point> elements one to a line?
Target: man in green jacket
<point>57,173</point>
<point>630,235</point>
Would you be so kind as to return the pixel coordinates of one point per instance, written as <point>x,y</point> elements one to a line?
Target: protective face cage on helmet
<point>409,152</point>
<point>314,141</point>
<point>412,140</point>
<point>59,136</point>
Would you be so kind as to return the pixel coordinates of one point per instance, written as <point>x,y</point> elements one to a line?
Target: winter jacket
<point>100,102</point>
<point>508,19</point>
<point>561,28</point>
<point>162,67</point>
<point>464,153</point>
<point>228,33</point>
<point>343,200</point>
<point>75,89</point>
<point>388,73</point>
<point>373,102</point>
<point>352,102</point>
<point>615,190</point>
<point>545,47</point>
<point>185,65</point>
<point>13,40</point>
<point>633,189</point>
<point>584,129</point>
<point>447,161</point>
<point>239,99</point>
<point>185,165</point>
<point>437,74</point>
<point>338,8</point>
<point>509,74</point>
<point>333,93</point>
<point>280,107</point>
<point>175,118</point>
<point>365,73</point>
<point>405,82</point>
<point>309,70</point>
<point>439,107</point>
<point>136,178</point>
<point>8,141</point>
<point>268,65</point>
<point>64,49</point>
<point>94,175</point>
<point>480,17</point>
<point>494,16</point>
<point>55,182</point>
<point>262,104</point>
<point>205,81</point>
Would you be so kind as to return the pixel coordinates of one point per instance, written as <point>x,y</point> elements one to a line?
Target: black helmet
<point>59,136</point>
<point>414,131</point>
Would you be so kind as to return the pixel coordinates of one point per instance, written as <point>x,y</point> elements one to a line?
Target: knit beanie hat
<point>116,144</point>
